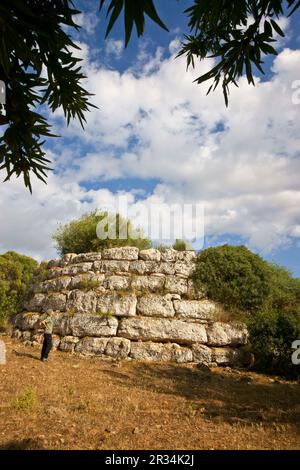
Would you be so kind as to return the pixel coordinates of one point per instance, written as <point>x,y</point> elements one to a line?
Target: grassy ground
<point>89,403</point>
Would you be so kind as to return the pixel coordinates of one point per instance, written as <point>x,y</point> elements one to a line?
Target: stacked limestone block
<point>130,303</point>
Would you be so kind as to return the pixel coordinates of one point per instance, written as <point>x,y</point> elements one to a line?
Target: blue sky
<point>157,138</point>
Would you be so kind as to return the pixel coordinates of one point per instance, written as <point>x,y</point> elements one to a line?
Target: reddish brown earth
<point>89,403</point>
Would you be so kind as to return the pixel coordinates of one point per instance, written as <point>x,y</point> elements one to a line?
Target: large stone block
<point>184,268</point>
<point>111,266</point>
<point>61,324</point>
<point>68,257</point>
<point>165,268</point>
<point>35,304</point>
<point>86,257</point>
<point>176,285</point>
<point>27,321</point>
<point>232,356</point>
<point>150,351</point>
<point>55,285</point>
<point>55,272</point>
<point>119,348</point>
<point>196,309</point>
<point>82,302</point>
<point>74,269</point>
<point>87,325</point>
<point>118,305</point>
<point>55,301</point>
<point>162,329</point>
<point>151,283</point>
<point>68,343</point>
<point>223,334</point>
<point>188,256</point>
<point>169,255</point>
<point>114,282</point>
<point>91,346</point>
<point>150,255</point>
<point>137,267</point>
<point>195,293</point>
<point>123,253</point>
<point>202,354</point>
<point>55,342</point>
<point>155,306</point>
<point>86,281</point>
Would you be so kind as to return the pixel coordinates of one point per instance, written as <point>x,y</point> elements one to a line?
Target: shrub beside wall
<point>262,294</point>
<point>15,274</point>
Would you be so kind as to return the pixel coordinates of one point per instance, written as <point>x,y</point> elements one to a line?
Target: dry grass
<point>89,403</point>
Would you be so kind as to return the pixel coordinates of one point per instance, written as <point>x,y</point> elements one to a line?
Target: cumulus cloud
<point>88,21</point>
<point>114,47</point>
<point>154,122</point>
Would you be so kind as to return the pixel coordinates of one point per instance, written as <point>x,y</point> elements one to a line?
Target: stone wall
<point>127,303</point>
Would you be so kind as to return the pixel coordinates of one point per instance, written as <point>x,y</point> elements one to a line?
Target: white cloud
<point>154,122</point>
<point>88,21</point>
<point>114,47</point>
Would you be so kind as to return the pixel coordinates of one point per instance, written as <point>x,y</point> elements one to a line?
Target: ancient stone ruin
<point>130,303</point>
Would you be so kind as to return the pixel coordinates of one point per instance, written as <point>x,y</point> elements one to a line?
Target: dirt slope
<point>88,403</point>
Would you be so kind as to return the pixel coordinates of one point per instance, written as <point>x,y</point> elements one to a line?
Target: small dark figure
<point>47,325</point>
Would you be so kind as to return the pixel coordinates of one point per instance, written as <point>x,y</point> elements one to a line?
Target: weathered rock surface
<point>61,324</point>
<point>111,266</point>
<point>162,329</point>
<point>26,321</point>
<point>176,285</point>
<point>86,257</point>
<point>91,346</point>
<point>231,356</point>
<point>119,305</point>
<point>117,282</point>
<point>123,253</point>
<point>150,255</point>
<point>196,309</point>
<point>86,325</point>
<point>68,343</point>
<point>151,283</point>
<point>118,348</point>
<point>149,351</point>
<point>82,302</point>
<point>222,334</point>
<point>169,255</point>
<point>202,354</point>
<point>155,306</point>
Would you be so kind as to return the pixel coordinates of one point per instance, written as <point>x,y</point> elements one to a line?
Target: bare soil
<point>73,402</point>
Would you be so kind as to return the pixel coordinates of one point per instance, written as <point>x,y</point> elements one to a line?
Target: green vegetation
<point>234,276</point>
<point>16,272</point>
<point>80,236</point>
<point>26,400</point>
<point>87,285</point>
<point>104,314</point>
<point>262,294</point>
<point>182,245</point>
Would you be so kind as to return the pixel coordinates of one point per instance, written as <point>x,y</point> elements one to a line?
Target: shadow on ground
<point>23,354</point>
<point>24,444</point>
<point>219,396</point>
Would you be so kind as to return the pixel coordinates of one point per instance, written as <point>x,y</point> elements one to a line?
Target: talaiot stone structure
<point>130,303</point>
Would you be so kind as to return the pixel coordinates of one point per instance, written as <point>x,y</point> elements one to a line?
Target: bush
<point>79,236</point>
<point>262,294</point>
<point>15,274</point>
<point>234,276</point>
<point>182,245</point>
<point>26,400</point>
<point>271,336</point>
